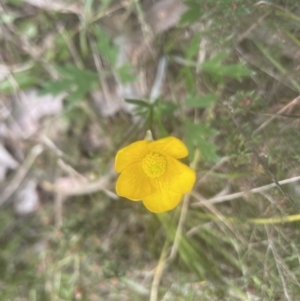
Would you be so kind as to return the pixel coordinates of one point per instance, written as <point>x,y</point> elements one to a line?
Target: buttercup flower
<point>151,172</point>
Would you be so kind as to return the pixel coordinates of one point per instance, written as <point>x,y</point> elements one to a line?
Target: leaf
<point>192,14</point>
<point>208,150</point>
<point>193,48</point>
<point>161,110</point>
<point>111,52</point>
<point>205,101</point>
<point>186,74</point>
<point>197,137</point>
<point>218,71</point>
<point>164,108</point>
<point>138,102</point>
<point>55,87</point>
<point>24,80</point>
<point>77,82</point>
<point>105,47</point>
<point>125,73</point>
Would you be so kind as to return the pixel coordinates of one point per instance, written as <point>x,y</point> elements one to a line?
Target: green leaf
<point>205,101</point>
<point>162,110</point>
<point>189,78</point>
<point>110,52</point>
<point>208,150</point>
<point>55,87</point>
<point>197,137</point>
<point>218,71</point>
<point>60,51</point>
<point>76,82</point>
<point>138,102</point>
<point>105,47</point>
<point>23,79</point>
<point>192,14</point>
<point>125,73</point>
<point>193,48</point>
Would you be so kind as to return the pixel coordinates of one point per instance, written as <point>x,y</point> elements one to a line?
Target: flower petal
<point>133,183</point>
<point>169,146</point>
<point>130,154</point>
<point>178,177</point>
<point>162,200</point>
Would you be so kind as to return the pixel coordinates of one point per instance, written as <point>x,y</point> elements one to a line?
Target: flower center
<point>154,165</point>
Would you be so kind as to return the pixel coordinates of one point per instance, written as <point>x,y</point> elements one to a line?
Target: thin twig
<point>146,29</point>
<point>263,163</point>
<point>227,222</point>
<point>158,273</point>
<point>182,218</point>
<point>292,103</point>
<point>216,166</point>
<point>69,169</point>
<point>22,172</point>
<point>183,213</point>
<point>252,27</point>
<point>237,195</point>
<point>110,10</point>
<point>100,71</point>
<point>70,45</point>
<point>259,66</point>
<point>51,145</point>
<point>80,187</point>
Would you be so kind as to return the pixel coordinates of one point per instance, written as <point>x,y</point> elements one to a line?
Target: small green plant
<point>76,82</point>
<point>230,93</point>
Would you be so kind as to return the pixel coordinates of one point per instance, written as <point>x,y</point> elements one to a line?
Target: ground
<point>81,79</point>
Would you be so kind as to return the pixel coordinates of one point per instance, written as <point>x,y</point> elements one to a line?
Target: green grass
<point>97,246</point>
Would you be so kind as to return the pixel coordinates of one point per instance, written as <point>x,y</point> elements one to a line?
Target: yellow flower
<point>151,172</point>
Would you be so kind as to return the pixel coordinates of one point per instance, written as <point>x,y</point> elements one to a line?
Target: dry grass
<point>65,234</point>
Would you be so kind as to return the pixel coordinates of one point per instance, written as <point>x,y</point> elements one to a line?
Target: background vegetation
<point>80,79</point>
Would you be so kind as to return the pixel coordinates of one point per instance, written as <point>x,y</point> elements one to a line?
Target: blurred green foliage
<point>106,245</point>
<point>74,81</point>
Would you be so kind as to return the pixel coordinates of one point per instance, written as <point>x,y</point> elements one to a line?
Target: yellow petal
<point>133,183</point>
<point>130,154</point>
<point>178,177</point>
<point>169,146</point>
<point>162,200</point>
